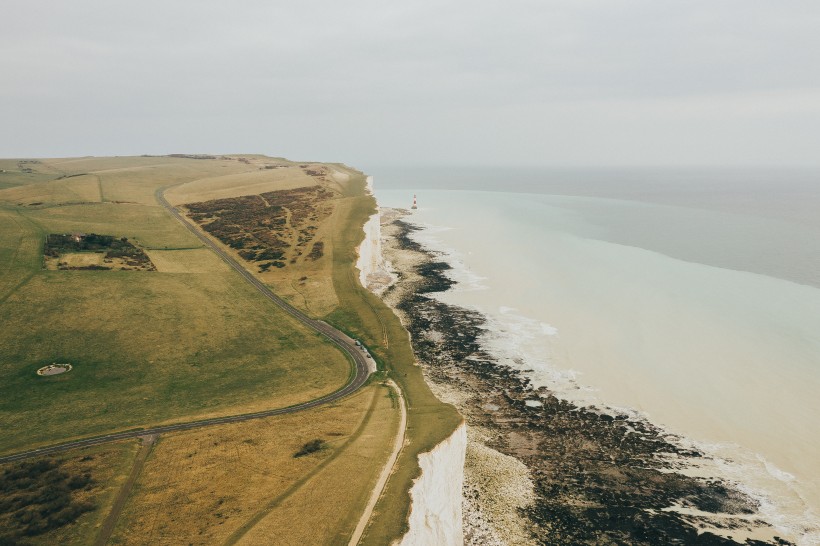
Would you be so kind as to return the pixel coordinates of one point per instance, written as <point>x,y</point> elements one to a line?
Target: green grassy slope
<point>147,347</point>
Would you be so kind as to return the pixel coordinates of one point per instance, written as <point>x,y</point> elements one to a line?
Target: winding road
<point>362,365</point>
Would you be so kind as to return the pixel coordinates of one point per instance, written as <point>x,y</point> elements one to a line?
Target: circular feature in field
<point>54,369</point>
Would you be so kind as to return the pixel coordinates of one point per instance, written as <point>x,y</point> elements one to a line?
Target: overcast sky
<point>571,82</point>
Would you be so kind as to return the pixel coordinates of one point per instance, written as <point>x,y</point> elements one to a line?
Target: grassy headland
<point>189,340</point>
<point>192,339</point>
<point>329,288</point>
<point>365,316</point>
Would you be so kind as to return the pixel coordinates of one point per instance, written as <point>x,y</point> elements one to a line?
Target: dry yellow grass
<point>110,179</point>
<point>194,260</point>
<point>77,259</point>
<point>202,487</point>
<point>80,189</point>
<point>234,185</point>
<point>75,165</point>
<point>147,226</point>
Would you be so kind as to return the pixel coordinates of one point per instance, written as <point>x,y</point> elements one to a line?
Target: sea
<point>689,297</point>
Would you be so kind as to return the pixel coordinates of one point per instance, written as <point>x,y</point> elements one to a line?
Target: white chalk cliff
<point>436,495</point>
<point>374,272</point>
<point>435,515</point>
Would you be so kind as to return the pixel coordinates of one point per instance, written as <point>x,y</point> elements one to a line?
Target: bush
<point>78,482</point>
<point>311,447</point>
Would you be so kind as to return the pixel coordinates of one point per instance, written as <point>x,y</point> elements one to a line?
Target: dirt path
<point>100,188</point>
<point>14,284</point>
<point>386,471</point>
<point>122,496</point>
<point>288,227</point>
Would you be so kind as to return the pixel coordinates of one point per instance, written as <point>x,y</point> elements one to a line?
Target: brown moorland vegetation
<point>61,499</point>
<point>115,253</point>
<point>272,229</point>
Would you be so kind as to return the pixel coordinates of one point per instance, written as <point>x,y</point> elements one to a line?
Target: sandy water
<point>608,302</point>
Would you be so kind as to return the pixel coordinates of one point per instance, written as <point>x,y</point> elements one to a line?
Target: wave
<point>466,279</point>
<point>528,345</point>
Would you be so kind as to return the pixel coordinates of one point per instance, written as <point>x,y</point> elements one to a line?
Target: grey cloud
<point>551,82</point>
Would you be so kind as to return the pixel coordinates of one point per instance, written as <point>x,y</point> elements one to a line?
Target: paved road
<point>362,367</point>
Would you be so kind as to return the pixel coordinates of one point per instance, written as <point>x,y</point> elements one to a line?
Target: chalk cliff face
<point>435,516</point>
<point>374,272</point>
<point>370,251</point>
<point>436,513</point>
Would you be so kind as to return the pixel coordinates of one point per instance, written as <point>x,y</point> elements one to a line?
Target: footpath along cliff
<point>436,511</point>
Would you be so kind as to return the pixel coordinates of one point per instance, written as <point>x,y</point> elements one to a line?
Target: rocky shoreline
<point>542,470</point>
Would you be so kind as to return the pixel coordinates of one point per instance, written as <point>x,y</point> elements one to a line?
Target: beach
<point>504,348</point>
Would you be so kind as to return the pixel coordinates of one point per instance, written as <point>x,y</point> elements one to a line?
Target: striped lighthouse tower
<point>415,205</point>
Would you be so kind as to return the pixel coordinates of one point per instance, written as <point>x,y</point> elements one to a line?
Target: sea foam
<point>527,345</point>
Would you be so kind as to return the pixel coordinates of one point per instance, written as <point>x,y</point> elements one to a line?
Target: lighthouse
<point>415,205</point>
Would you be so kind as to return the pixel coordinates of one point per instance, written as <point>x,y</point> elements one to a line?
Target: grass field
<point>190,340</point>
<point>306,284</point>
<point>242,484</point>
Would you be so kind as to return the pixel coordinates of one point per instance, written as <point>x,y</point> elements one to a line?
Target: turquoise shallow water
<point>704,319</point>
<point>763,221</point>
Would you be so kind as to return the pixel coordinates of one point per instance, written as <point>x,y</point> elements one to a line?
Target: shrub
<point>311,447</point>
